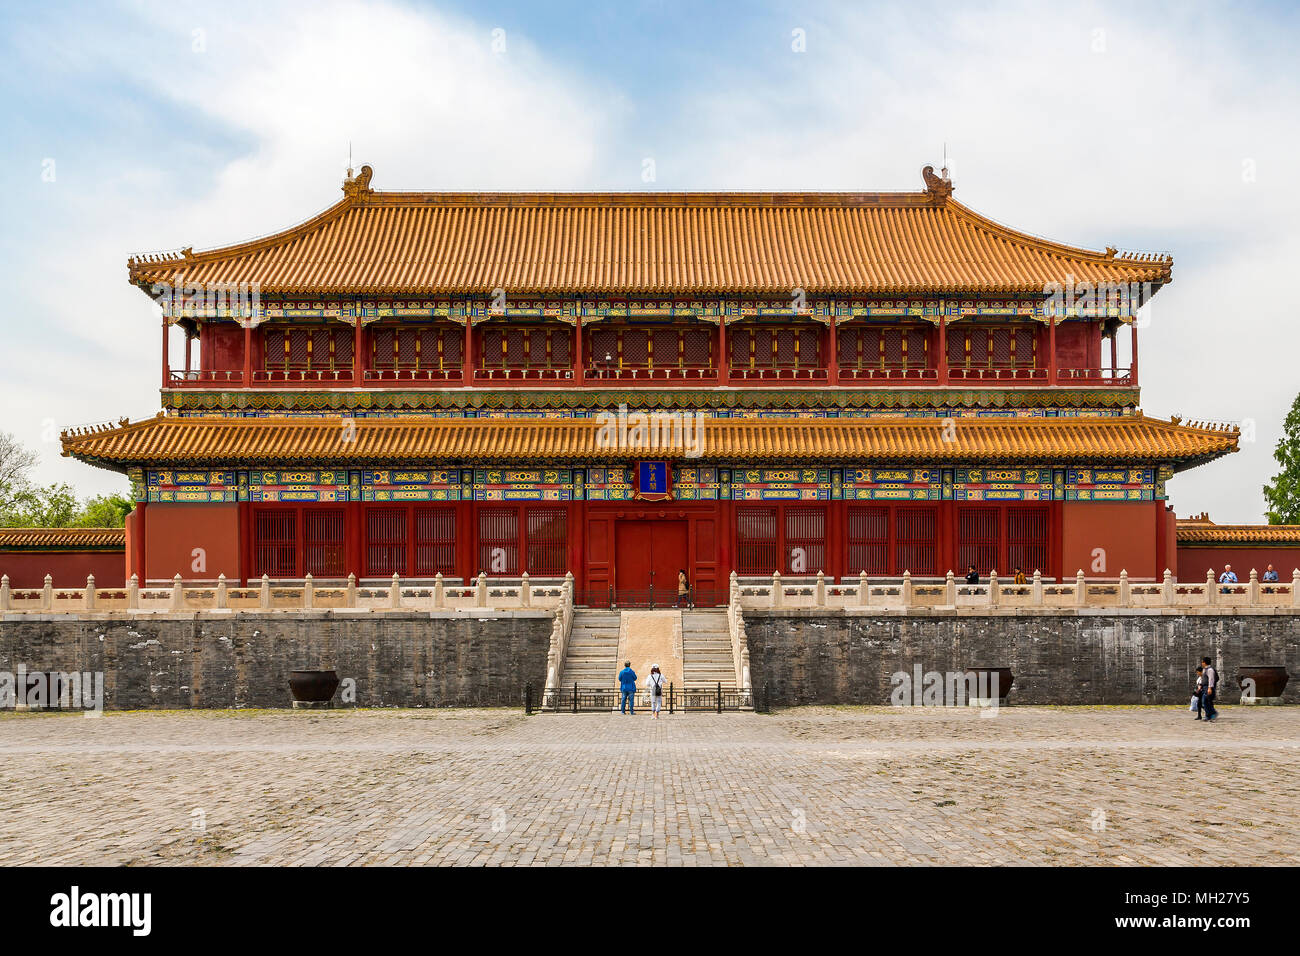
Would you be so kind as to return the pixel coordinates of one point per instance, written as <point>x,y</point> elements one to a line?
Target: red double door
<point>647,557</point>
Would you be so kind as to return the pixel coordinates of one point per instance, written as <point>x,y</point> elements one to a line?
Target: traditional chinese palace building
<point>421,383</point>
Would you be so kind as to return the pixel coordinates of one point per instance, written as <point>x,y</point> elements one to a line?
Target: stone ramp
<point>591,659</point>
<point>652,637</point>
<point>706,650</point>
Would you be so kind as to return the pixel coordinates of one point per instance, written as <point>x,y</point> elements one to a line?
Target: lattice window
<point>636,347</point>
<point>536,346</point>
<point>809,341</point>
<point>698,348</point>
<point>547,542</point>
<point>978,539</point>
<point>515,353</point>
<point>386,530</point>
<point>1027,530</point>
<point>498,540</point>
<point>323,551</point>
<point>435,541</point>
<point>275,543</point>
<point>739,344</point>
<point>383,345</point>
<point>805,540</point>
<point>560,354</point>
<point>756,544</point>
<point>916,540</point>
<point>453,348</point>
<point>957,348</point>
<point>868,529</point>
<point>406,348</point>
<point>666,348</point>
<point>307,349</point>
<point>604,346</point>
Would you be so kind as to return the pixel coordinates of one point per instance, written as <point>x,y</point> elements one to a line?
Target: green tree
<point>1283,492</point>
<point>104,511</point>
<point>24,504</point>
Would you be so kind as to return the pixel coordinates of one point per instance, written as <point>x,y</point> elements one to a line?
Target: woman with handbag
<point>655,683</point>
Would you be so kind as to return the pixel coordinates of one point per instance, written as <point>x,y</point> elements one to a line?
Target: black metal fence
<point>612,597</point>
<point>577,700</point>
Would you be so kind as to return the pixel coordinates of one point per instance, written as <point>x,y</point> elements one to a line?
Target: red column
<point>188,338</point>
<point>357,364</point>
<point>943,346</point>
<point>164,356</point>
<point>469,352</point>
<point>248,353</point>
<point>578,361</point>
<point>1133,371</point>
<point>724,372</point>
<point>1051,350</point>
<point>1114,353</point>
<point>832,334</point>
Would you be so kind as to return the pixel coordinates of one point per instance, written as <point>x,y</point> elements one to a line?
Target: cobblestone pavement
<point>1039,785</point>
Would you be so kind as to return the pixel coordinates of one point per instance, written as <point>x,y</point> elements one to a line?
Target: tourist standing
<point>1270,575</point>
<point>1198,691</point>
<point>655,683</point>
<point>627,689</point>
<point>1020,576</point>
<point>683,589</point>
<point>972,576</point>
<point>1211,690</point>
<point>1228,576</point>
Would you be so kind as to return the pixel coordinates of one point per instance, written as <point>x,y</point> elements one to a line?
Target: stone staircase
<point>591,659</point>
<point>706,650</point>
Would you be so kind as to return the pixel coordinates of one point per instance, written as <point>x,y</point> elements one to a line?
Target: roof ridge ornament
<point>355,187</point>
<point>938,186</point>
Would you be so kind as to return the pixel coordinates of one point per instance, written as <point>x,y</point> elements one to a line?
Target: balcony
<point>281,377</point>
<point>195,378</point>
<point>395,376</point>
<point>1000,375</point>
<point>779,373</point>
<point>888,376</point>
<point>1118,377</point>
<point>522,376</point>
<point>630,375</point>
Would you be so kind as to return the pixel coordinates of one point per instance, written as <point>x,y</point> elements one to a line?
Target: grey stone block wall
<point>396,660</point>
<point>832,657</point>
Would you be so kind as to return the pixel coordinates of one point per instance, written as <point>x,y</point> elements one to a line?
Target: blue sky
<point>1163,127</point>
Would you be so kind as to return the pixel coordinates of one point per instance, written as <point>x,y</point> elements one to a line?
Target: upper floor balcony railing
<point>648,373</point>
<point>780,373</point>
<point>373,376</point>
<point>297,376</point>
<point>888,374</point>
<point>1004,374</point>
<point>1095,376</point>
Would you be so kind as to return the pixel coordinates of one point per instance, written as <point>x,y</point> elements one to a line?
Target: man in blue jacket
<point>627,685</point>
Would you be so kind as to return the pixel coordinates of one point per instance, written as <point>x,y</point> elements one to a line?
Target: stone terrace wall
<point>1056,657</point>
<point>397,659</point>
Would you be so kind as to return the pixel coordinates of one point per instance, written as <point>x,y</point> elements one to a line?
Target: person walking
<point>1211,690</point>
<point>627,689</point>
<point>683,589</point>
<point>654,682</point>
<point>1198,691</point>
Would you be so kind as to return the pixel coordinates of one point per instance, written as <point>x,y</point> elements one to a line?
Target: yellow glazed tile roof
<point>646,243</point>
<point>62,539</point>
<point>1201,530</point>
<point>413,440</point>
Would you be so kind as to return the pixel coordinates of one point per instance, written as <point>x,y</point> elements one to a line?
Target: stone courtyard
<point>1031,785</point>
